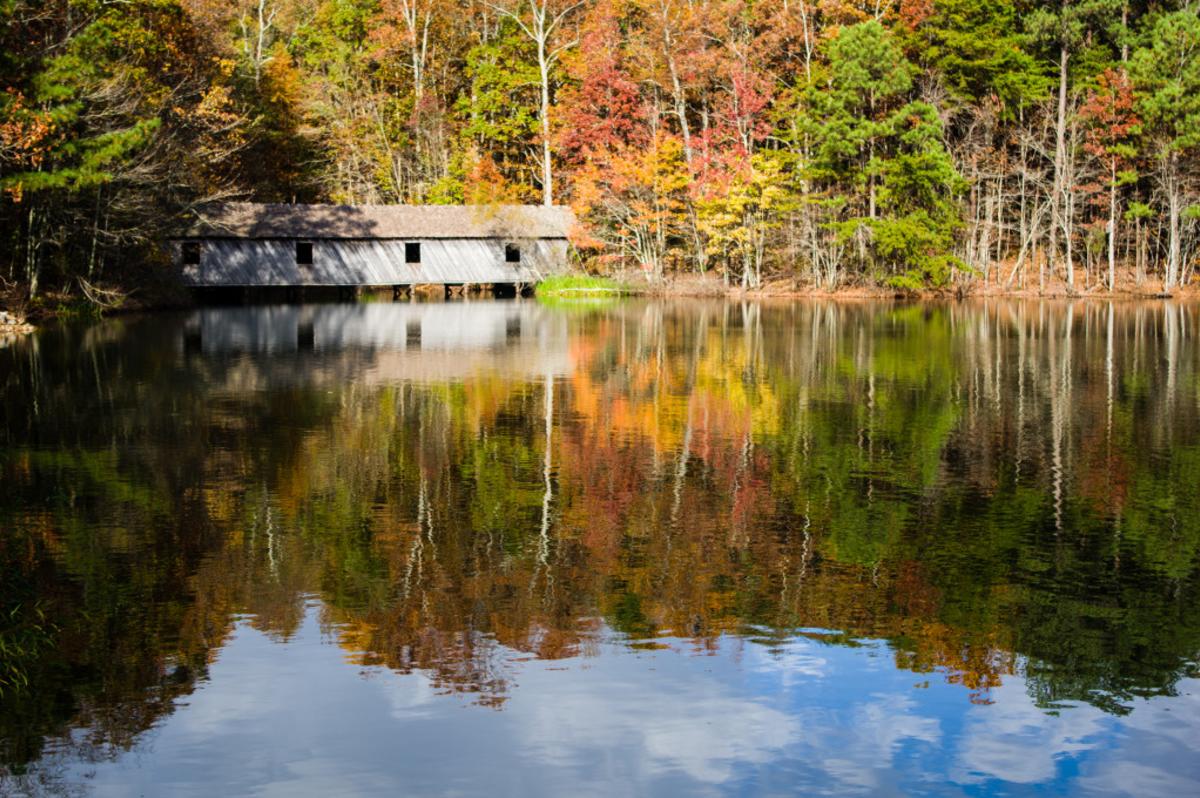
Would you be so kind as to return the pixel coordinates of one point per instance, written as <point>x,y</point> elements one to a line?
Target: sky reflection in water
<point>504,549</point>
<point>288,718</point>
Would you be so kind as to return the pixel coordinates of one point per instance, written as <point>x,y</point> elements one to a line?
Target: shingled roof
<point>254,220</point>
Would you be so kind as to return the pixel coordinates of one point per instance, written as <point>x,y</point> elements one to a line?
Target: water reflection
<point>385,342</point>
<point>694,544</point>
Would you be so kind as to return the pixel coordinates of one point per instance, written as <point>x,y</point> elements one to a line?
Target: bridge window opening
<point>191,253</point>
<point>512,253</point>
<point>412,252</point>
<point>304,253</point>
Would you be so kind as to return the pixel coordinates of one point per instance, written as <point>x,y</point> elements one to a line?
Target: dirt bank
<point>698,285</point>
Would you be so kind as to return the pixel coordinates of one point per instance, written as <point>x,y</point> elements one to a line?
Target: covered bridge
<point>249,244</point>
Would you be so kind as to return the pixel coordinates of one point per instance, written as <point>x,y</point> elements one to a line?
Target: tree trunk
<point>1112,227</point>
<point>1060,165</point>
<point>547,177</point>
<point>678,97</point>
<point>1069,197</point>
<point>33,247</point>
<point>870,172</point>
<point>1173,223</point>
<point>1139,252</point>
<point>679,102</point>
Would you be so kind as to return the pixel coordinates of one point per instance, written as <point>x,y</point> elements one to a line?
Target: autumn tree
<point>628,181</point>
<point>739,220</point>
<point>601,111</point>
<point>636,202</point>
<point>1111,122</point>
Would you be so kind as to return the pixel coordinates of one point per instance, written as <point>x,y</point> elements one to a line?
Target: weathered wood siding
<point>350,262</point>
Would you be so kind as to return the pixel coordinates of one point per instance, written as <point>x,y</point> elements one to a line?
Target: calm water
<point>638,549</point>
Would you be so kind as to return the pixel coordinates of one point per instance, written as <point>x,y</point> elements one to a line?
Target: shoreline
<point>693,287</point>
<point>880,295</point>
<point>701,286</point>
<point>13,326</point>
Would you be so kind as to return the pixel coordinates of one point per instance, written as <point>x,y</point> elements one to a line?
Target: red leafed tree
<point>603,112</point>
<point>739,124</point>
<point>627,182</point>
<point>25,134</point>
<point>1111,123</point>
<point>913,12</point>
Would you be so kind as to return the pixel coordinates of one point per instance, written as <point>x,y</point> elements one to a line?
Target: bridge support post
<point>193,343</point>
<point>305,337</point>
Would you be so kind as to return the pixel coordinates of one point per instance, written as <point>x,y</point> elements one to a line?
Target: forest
<point>916,144</point>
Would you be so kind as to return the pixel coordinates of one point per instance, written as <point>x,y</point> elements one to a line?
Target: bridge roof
<point>257,220</point>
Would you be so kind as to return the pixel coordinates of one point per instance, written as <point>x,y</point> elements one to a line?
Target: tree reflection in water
<point>995,490</point>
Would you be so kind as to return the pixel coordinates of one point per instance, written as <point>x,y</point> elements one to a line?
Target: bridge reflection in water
<point>401,341</point>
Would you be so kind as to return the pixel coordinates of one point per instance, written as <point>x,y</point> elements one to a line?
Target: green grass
<point>579,303</point>
<point>581,285</point>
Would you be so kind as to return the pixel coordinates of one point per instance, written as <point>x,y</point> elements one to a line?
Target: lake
<point>636,548</point>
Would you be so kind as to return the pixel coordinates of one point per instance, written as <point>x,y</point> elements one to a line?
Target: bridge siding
<point>355,262</point>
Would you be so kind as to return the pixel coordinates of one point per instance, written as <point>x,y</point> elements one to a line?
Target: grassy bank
<point>567,286</point>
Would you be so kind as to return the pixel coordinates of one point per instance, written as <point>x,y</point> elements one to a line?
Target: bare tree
<point>256,34</point>
<point>539,19</point>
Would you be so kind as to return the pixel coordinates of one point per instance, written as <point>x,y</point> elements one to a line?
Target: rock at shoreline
<point>11,328</point>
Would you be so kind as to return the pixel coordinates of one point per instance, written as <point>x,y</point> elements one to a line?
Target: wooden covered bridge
<point>250,245</point>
